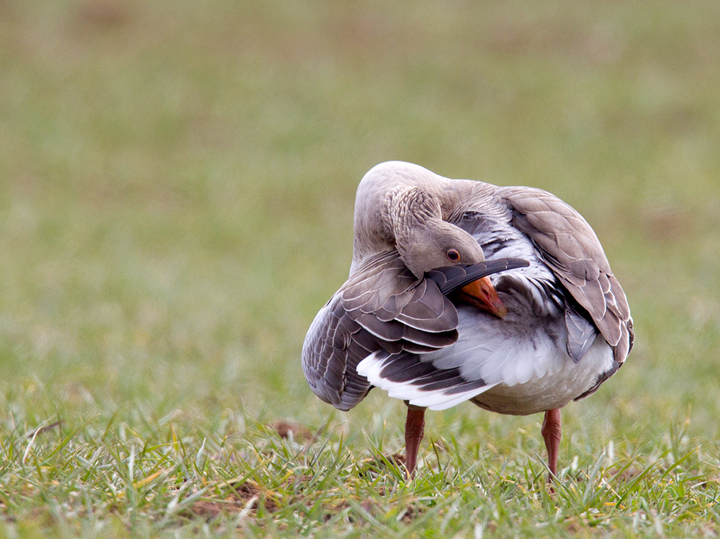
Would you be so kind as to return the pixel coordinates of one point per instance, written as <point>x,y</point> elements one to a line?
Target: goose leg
<point>552,431</point>
<point>414,430</point>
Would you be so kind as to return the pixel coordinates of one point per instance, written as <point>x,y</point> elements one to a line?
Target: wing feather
<point>568,245</point>
<point>382,307</point>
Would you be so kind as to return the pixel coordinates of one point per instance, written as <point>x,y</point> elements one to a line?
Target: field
<point>176,190</point>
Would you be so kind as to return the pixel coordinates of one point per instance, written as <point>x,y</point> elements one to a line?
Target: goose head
<point>423,240</point>
<point>401,206</point>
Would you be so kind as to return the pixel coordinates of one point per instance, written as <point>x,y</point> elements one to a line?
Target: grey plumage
<point>570,248</point>
<point>383,307</point>
<point>394,309</point>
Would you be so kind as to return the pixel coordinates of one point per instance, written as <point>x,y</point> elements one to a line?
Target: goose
<point>461,290</point>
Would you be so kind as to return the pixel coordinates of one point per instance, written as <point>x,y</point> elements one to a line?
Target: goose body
<point>553,331</point>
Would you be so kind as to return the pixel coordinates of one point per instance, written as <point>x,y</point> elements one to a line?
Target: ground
<point>176,191</point>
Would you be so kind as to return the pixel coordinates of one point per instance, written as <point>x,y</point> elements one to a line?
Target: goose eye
<point>453,255</point>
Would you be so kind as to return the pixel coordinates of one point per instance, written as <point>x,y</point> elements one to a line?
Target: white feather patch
<point>485,350</point>
<point>371,366</point>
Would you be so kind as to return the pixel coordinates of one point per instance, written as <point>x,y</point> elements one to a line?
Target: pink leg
<point>552,432</point>
<point>414,430</point>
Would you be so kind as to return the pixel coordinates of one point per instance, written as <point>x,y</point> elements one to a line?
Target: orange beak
<point>482,294</point>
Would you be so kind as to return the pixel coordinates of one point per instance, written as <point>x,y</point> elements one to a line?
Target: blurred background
<point>177,183</point>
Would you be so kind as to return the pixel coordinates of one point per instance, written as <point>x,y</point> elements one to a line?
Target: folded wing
<point>570,248</point>
<point>383,307</point>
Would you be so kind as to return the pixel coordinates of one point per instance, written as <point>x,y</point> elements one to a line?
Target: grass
<point>176,191</point>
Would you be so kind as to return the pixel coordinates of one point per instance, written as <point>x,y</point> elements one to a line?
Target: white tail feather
<point>371,366</point>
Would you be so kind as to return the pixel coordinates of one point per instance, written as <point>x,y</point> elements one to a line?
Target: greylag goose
<point>547,323</point>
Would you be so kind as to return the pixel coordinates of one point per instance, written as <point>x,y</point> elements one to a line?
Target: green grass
<point>176,191</point>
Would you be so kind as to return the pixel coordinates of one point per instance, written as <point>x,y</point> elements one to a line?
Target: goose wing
<point>570,248</point>
<point>383,306</point>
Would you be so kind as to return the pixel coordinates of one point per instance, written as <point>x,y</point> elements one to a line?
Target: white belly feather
<point>520,362</point>
<point>554,389</point>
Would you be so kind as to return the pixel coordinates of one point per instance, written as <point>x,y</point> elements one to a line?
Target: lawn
<point>176,190</point>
